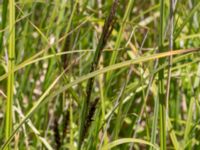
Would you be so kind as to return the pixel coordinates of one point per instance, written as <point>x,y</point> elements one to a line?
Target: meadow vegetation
<point>100,74</point>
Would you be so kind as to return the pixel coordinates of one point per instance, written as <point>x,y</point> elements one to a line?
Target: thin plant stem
<point>11,64</point>
<point>161,88</point>
<point>171,28</point>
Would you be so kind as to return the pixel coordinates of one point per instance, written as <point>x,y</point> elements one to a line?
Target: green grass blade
<point>161,86</point>
<point>127,140</point>
<point>11,63</point>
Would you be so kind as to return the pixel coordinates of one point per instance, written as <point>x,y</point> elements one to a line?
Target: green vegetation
<point>96,74</point>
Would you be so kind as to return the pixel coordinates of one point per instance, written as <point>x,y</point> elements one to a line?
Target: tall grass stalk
<point>161,86</point>
<point>11,63</point>
<point>107,30</point>
<point>171,41</point>
<point>171,47</point>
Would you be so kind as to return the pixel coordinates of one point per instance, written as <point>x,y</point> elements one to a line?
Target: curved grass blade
<point>128,140</point>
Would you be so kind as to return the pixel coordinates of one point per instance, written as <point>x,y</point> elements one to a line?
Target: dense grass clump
<point>96,74</point>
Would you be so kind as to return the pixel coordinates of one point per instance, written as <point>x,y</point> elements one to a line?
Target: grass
<point>161,86</point>
<point>11,64</point>
<point>99,74</point>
